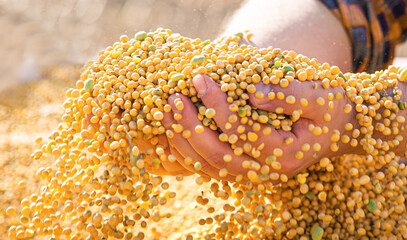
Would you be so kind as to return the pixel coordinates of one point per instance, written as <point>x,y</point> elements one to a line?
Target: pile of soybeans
<point>102,184</point>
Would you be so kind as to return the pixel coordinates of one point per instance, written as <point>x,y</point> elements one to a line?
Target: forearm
<point>402,148</point>
<point>305,26</point>
<point>398,132</point>
<point>386,128</point>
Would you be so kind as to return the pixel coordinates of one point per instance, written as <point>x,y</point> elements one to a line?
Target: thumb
<point>213,97</point>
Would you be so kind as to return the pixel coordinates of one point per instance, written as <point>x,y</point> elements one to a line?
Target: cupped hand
<point>316,134</point>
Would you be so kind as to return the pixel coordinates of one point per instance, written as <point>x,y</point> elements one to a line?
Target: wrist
<point>401,115</point>
<point>385,130</point>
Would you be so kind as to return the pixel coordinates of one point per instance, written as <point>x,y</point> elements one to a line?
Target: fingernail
<point>265,89</point>
<point>200,85</point>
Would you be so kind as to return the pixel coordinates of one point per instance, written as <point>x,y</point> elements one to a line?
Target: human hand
<point>316,134</point>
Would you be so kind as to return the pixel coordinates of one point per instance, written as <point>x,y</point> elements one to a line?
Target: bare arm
<point>305,26</point>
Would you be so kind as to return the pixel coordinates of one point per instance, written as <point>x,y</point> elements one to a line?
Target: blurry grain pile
<point>98,185</point>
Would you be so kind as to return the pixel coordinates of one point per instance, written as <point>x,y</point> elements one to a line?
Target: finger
<point>308,96</point>
<point>207,144</point>
<point>181,155</point>
<point>213,97</point>
<point>186,155</point>
<point>163,168</point>
<point>172,168</point>
<point>175,168</point>
<point>168,121</point>
<point>160,170</point>
<point>290,98</point>
<point>183,152</point>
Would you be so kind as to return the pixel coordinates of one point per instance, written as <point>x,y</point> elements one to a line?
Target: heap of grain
<point>108,147</point>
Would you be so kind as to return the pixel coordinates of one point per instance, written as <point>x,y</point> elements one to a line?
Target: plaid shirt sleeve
<point>375,27</point>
